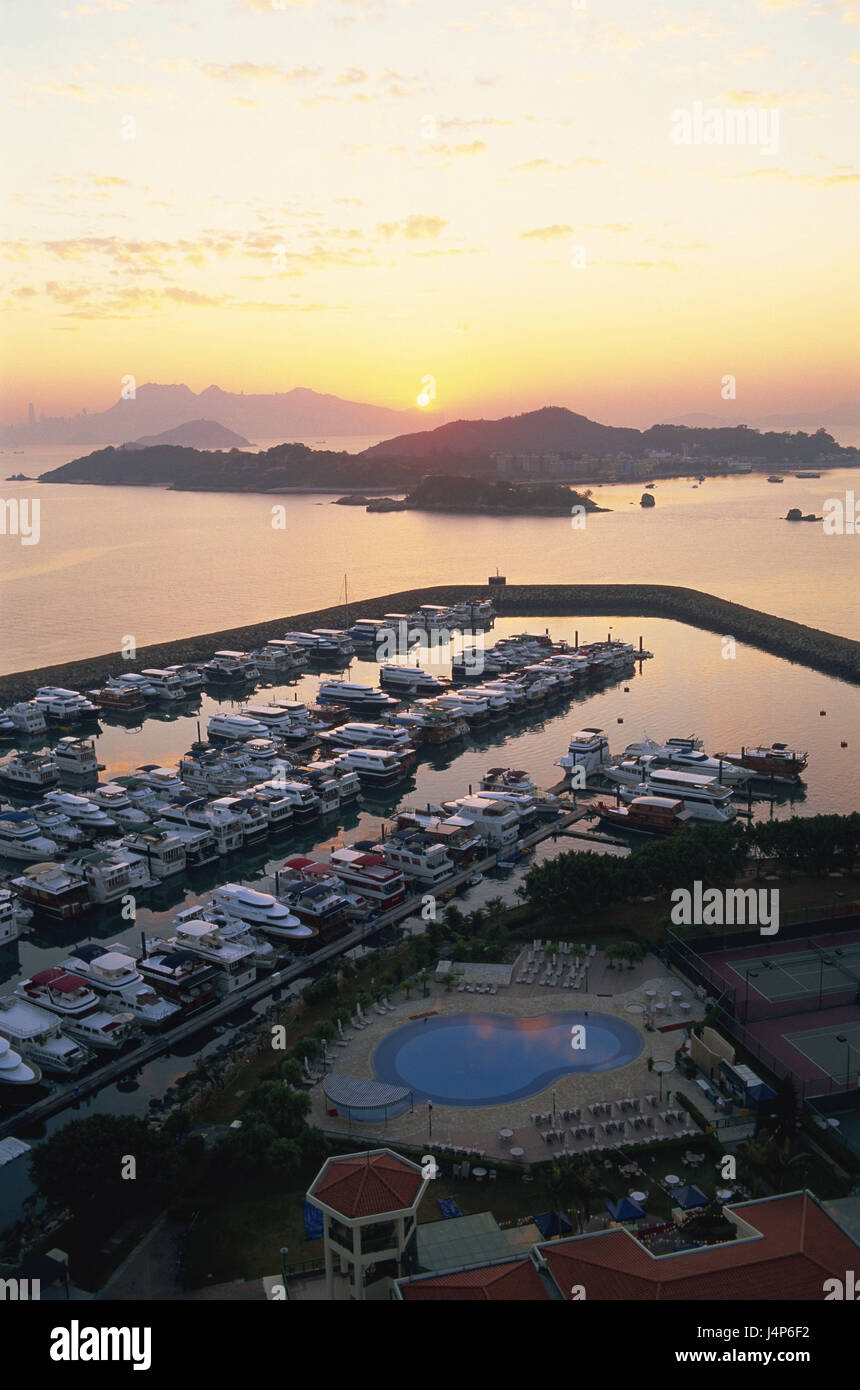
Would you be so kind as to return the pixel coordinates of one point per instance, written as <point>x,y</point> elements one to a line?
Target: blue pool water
<point>485,1059</point>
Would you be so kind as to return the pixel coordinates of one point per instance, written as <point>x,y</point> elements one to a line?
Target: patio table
<point>506,1134</point>
<point>639,1197</point>
<point>672,1180</point>
<point>517,1153</point>
<point>479,1173</point>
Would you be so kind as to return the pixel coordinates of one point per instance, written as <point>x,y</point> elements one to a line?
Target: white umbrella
<point>307,1067</point>
<point>340,1027</point>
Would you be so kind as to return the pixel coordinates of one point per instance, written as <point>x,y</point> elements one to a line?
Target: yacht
<point>348,783</point>
<point>704,797</point>
<point>63,706</point>
<point>133,680</point>
<point>327,789</point>
<point>260,758</point>
<point>21,838</point>
<point>161,849</point>
<point>113,973</point>
<point>77,756</point>
<point>250,814</point>
<point>417,856</point>
<point>514,692</point>
<point>189,678</point>
<point>318,648</point>
<point>165,682</point>
<point>778,762</point>
<point>180,977</point>
<point>15,1072</point>
<point>57,890</point>
<point>411,680</point>
<point>235,962</point>
<point>27,717</point>
<point>81,811</point>
<point>276,806</point>
<point>497,705</point>
<point>275,659</point>
<point>380,767</point>
<point>524,806</point>
<point>367,736</point>
<point>119,700</point>
<point>231,929</point>
<point>165,781</point>
<point>189,812</point>
<point>235,727</point>
<point>497,823</point>
<point>336,637</point>
<point>58,826</point>
<point>429,722</point>
<point>285,719</point>
<point>261,910</point>
<point>15,913</point>
<point>686,753</point>
<point>367,631</point>
<point>211,772</point>
<point>588,749</point>
<point>318,899</point>
<point>370,875</point>
<point>456,833</point>
<point>474,705</point>
<point>28,774</point>
<point>37,1034</point>
<point>230,668</point>
<point>71,998</point>
<point>7,729</point>
<point>110,874</point>
<point>628,772</point>
<point>507,779</point>
<point>302,798</point>
<point>645,815</point>
<point>115,801</point>
<point>352,693</point>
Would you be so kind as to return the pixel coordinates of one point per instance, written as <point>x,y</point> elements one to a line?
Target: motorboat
<point>64,706</point>
<point>189,677</point>
<point>211,772</point>
<point>276,806</point>
<point>21,838</point>
<point>165,682</point>
<point>410,680</point>
<point>417,856</point>
<point>367,736</point>
<point>195,813</point>
<point>235,727</point>
<point>324,769</point>
<point>58,826</point>
<point>134,680</point>
<point>14,1071</point>
<point>56,890</point>
<point>256,909</point>
<point>353,693</point>
<point>494,821</point>
<point>180,977</point>
<point>165,781</point>
<point>28,774</point>
<point>77,757</point>
<point>110,874</point>
<point>119,700</point>
<point>15,914</point>
<point>704,797</point>
<point>380,767</point>
<point>686,753</point>
<point>778,762</point>
<point>114,975</point>
<point>230,668</point>
<point>27,717</point>
<point>115,801</point>
<point>588,749</point>
<point>370,875</point>
<point>646,815</point>
<point>161,849</point>
<point>250,814</point>
<point>81,811</point>
<point>70,996</point>
<point>234,961</point>
<point>38,1036</point>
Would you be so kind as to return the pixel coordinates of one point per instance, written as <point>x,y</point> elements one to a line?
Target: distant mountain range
<point>289,415</point>
<point>845,414</point>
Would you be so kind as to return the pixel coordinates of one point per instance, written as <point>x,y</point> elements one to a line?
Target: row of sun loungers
<point>433,1147</point>
<point>559,1115</point>
<point>477,989</point>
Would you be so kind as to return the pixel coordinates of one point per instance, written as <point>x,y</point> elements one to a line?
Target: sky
<point>496,208</point>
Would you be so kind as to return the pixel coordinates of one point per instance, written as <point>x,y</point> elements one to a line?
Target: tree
<point>81,1166</point>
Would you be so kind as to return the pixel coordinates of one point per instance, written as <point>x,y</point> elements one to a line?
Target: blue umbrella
<point>690,1197</point>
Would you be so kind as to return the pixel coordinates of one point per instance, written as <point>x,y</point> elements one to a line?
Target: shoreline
<point>822,651</point>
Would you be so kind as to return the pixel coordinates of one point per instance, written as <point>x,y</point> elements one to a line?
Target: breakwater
<point>821,651</point>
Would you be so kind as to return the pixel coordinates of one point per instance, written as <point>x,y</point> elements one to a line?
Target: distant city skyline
<point>613,209</point>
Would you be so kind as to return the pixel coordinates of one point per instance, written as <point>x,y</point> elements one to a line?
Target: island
<point>444,492</point>
<point>194,434</point>
<point>795,514</point>
<point>647,500</point>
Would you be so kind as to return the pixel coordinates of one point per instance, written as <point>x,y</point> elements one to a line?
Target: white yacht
<point>63,706</point>
<point>78,757</point>
<point>336,637</point>
<point>276,658</point>
<point>165,683</point>
<point>235,962</point>
<point>27,717</point>
<point>348,783</point>
<point>259,758</point>
<point>303,799</point>
<point>7,728</point>
<point>15,913</point>
<point>162,851</point>
<point>686,754</point>
<point>21,838</point>
<point>30,773</point>
<point>142,796</point>
<point>277,717</point>
<point>475,704</point>
<point>704,797</point>
<point>410,680</point>
<point>83,1017</point>
<point>497,704</point>
<point>252,816</point>
<point>513,693</point>
<point>230,668</point>
<point>524,805</point>
<point>276,805</point>
<point>628,772</point>
<point>195,813</point>
<point>38,1035</point>
<point>211,772</point>
<point>367,631</point>
<point>133,680</point>
<point>81,811</point>
<point>111,874</point>
<point>189,678</point>
<point>113,974</point>
<point>231,929</point>
<point>115,801</point>
<point>380,767</point>
<point>14,1071</point>
<point>261,910</point>
<point>417,856</point>
<point>235,727</point>
<point>368,873</point>
<point>353,693</point>
<point>57,890</point>
<point>495,822</point>
<point>58,826</point>
<point>588,749</point>
<point>165,781</point>
<point>367,736</point>
<point>326,788</point>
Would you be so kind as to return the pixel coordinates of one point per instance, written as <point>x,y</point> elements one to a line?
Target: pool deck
<point>620,994</point>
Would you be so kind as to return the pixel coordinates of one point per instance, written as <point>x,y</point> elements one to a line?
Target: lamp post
<point>429,1119</point>
<point>284,1252</point>
<point>840,1037</point>
<point>825,960</point>
<point>750,974</point>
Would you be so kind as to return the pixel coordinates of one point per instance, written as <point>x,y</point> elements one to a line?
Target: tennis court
<point>799,974</point>
<point>835,1049</point>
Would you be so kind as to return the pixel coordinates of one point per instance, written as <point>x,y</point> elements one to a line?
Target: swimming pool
<point>485,1059</point>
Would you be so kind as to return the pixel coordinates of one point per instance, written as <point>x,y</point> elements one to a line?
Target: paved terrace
<point>610,991</point>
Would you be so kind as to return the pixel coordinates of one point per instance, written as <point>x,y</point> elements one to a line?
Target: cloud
<point>257,72</point>
<point>558,229</point>
<point>534,166</point>
<point>70,89</point>
<point>415,226</point>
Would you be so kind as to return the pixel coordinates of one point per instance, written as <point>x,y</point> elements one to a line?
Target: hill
<point>196,434</point>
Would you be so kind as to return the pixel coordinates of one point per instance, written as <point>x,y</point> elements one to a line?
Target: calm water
<point>486,1059</point>
<point>159,565</point>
